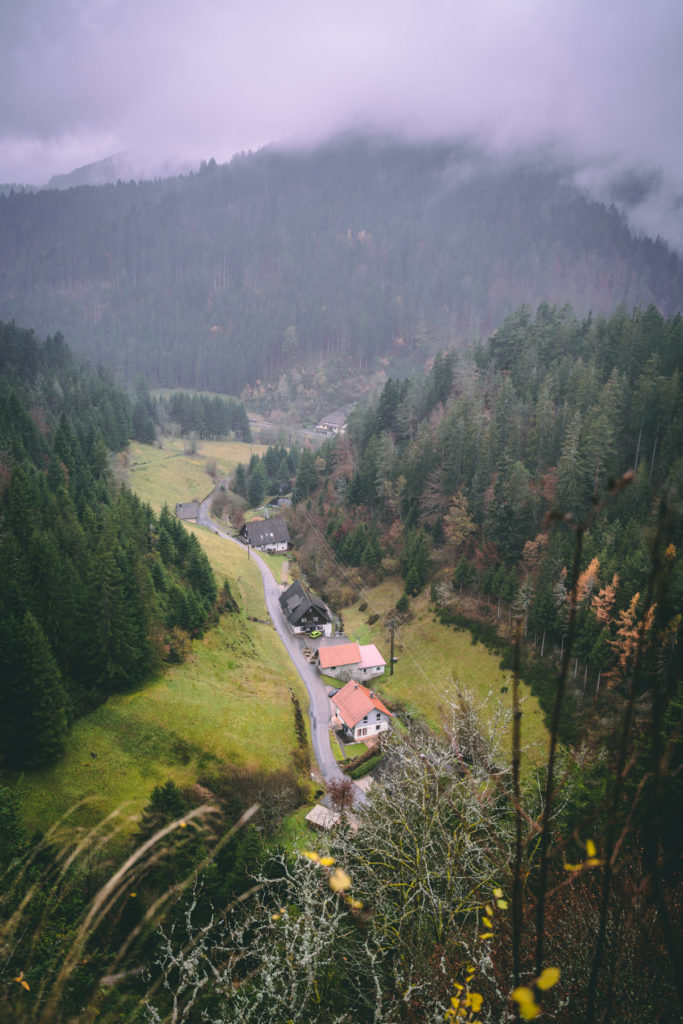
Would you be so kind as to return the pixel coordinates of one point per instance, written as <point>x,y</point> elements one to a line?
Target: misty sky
<point>601,80</point>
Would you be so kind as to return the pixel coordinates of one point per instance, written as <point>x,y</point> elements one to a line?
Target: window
<point>378,715</point>
<point>377,728</point>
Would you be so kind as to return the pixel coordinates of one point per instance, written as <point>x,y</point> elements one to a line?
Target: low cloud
<point>166,79</point>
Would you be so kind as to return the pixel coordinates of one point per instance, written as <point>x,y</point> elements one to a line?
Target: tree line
<point>96,590</point>
<point>252,273</point>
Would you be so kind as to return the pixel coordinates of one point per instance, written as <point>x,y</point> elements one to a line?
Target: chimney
<point>372,693</point>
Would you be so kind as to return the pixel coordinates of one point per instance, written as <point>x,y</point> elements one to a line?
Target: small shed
<point>187,510</point>
<point>322,818</point>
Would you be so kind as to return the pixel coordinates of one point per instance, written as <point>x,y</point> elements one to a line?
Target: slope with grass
<point>435,663</point>
<point>230,701</point>
<point>164,476</point>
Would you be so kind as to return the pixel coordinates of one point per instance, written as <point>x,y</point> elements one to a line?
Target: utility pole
<point>391,661</point>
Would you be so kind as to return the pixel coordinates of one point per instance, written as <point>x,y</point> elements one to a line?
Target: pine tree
<point>35,720</point>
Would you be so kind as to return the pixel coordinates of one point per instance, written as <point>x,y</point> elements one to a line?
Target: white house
<point>267,534</point>
<point>350,661</point>
<point>359,711</point>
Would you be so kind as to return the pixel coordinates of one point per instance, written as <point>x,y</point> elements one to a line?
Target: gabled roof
<point>262,532</point>
<point>336,655</point>
<point>296,601</point>
<point>354,701</point>
<point>187,509</point>
<point>370,657</point>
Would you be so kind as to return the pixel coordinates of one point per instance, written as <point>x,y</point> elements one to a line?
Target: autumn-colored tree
<point>457,523</point>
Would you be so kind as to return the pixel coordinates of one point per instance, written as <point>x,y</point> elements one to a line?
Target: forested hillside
<point>481,474</point>
<point>95,590</point>
<point>353,256</point>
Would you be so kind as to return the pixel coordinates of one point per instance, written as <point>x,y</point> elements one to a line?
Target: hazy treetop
<point>167,81</point>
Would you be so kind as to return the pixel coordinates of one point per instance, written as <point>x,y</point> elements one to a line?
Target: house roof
<point>336,655</point>
<point>187,509</point>
<point>296,601</point>
<point>262,532</point>
<point>370,656</point>
<point>354,701</point>
<point>323,817</point>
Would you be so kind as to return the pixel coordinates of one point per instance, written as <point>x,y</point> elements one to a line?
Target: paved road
<point>319,702</point>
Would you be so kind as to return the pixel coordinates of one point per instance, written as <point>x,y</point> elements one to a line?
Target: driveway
<point>319,702</point>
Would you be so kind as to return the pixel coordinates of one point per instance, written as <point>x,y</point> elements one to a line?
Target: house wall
<point>364,730</point>
<point>282,546</point>
<point>344,673</point>
<point>368,673</point>
<point>306,627</point>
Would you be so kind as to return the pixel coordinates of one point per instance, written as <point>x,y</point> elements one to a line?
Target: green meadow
<point>164,476</point>
<point>229,702</point>
<point>435,663</point>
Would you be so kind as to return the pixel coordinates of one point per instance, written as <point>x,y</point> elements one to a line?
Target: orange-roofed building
<point>359,711</point>
<point>350,661</point>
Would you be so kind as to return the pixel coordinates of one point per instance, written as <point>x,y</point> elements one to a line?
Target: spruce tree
<point>35,720</point>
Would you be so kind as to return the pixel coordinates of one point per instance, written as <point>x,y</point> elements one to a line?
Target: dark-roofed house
<point>360,711</point>
<point>305,612</point>
<point>266,534</point>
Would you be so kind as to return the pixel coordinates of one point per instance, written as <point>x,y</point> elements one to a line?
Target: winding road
<point>319,702</point>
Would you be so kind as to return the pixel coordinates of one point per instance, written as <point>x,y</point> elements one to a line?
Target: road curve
<point>319,702</point>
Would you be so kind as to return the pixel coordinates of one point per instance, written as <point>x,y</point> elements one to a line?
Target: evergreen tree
<point>35,716</point>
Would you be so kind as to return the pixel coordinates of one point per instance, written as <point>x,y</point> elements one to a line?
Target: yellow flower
<point>488,922</point>
<point>590,848</point>
<point>22,981</point>
<point>502,904</point>
<point>339,880</point>
<point>549,977</point>
<point>327,861</point>
<point>475,1000</point>
<point>486,935</point>
<point>311,854</point>
<point>524,997</point>
<point>498,893</point>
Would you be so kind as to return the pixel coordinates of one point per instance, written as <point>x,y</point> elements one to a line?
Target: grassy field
<point>435,662</point>
<point>164,476</point>
<point>230,701</point>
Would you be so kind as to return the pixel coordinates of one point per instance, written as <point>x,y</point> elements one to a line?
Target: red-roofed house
<point>350,661</point>
<point>360,711</point>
